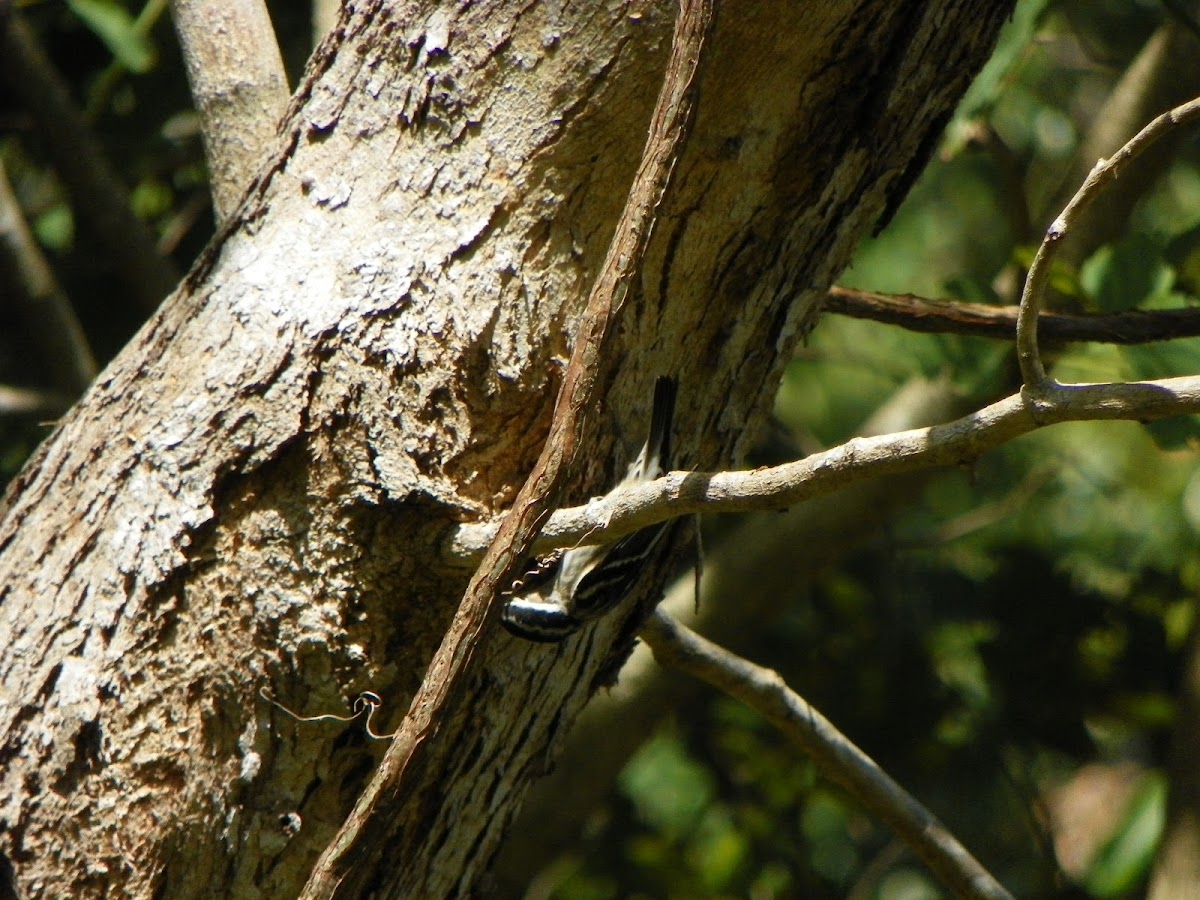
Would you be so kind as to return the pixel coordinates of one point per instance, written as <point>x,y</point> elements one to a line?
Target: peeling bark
<point>251,496</point>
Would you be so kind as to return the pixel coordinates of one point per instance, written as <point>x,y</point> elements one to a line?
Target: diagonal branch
<point>98,197</point>
<point>1042,401</point>
<point>678,647</point>
<point>363,844</point>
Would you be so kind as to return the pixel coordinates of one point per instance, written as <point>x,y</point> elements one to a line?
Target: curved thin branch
<point>980,320</point>
<point>1042,401</point>
<point>954,443</point>
<point>678,647</point>
<point>1033,372</point>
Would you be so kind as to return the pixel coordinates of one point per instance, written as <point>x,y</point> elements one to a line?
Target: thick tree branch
<point>954,443</point>
<point>264,517</point>
<point>833,753</point>
<point>349,862</point>
<point>980,320</point>
<point>236,75</point>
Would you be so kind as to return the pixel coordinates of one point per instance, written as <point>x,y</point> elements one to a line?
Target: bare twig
<point>981,320</point>
<point>15,401</point>
<point>1162,75</point>
<point>955,443</point>
<point>1042,401</point>
<point>1037,385</point>
<point>236,75</point>
<point>344,868</point>
<point>832,752</point>
<point>99,198</point>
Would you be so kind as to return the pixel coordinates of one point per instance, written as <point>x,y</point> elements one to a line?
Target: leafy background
<point>1010,649</point>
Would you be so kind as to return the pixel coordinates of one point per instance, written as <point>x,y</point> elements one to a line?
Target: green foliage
<point>669,790</point>
<point>113,24</point>
<point>1127,274</point>
<point>993,81</point>
<point>1123,861</point>
<point>55,228</point>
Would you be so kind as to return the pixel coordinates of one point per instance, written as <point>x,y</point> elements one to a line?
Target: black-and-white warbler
<point>567,589</point>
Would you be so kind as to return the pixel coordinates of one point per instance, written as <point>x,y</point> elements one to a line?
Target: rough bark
<point>252,495</point>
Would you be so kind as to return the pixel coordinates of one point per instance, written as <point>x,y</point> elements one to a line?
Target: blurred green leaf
<point>1126,858</point>
<point>112,23</point>
<point>1126,274</point>
<point>1014,41</point>
<point>152,198</point>
<point>55,228</point>
<point>773,880</point>
<point>825,821</point>
<point>971,289</point>
<point>717,850</point>
<point>669,789</point>
<point>1063,278</point>
<point>907,884</point>
<point>1183,252</point>
<point>1164,360</point>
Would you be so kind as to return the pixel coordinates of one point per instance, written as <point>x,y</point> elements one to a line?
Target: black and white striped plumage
<point>567,590</point>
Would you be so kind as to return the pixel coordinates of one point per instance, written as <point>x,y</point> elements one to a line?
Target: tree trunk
<point>254,495</point>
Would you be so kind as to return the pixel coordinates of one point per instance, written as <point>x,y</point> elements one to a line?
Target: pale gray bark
<point>253,494</point>
<point>238,84</point>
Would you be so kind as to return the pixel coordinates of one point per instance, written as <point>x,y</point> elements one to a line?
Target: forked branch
<point>1042,388</point>
<point>1041,401</point>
